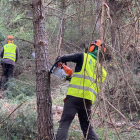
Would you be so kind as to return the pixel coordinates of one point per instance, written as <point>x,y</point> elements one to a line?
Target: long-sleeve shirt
<point>9,61</point>
<point>74,57</point>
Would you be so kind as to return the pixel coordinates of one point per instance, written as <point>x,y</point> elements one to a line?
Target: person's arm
<point>2,52</point>
<point>17,53</point>
<point>73,57</point>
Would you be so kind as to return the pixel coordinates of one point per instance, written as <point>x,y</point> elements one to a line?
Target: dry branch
<point>115,108</point>
<point>25,41</point>
<point>12,112</point>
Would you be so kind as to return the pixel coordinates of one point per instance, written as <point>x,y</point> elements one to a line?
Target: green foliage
<point>19,90</point>
<point>58,95</point>
<point>22,124</point>
<point>1,37</point>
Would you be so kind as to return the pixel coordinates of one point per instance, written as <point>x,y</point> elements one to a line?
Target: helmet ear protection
<point>96,44</point>
<point>93,46</point>
<point>104,49</point>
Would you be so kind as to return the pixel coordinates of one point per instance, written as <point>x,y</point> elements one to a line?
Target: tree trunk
<point>102,22</point>
<point>44,102</point>
<point>60,35</point>
<point>97,7</point>
<point>113,28</point>
<point>102,106</point>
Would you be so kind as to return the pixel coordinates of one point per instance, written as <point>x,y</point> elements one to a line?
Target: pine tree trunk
<point>44,102</point>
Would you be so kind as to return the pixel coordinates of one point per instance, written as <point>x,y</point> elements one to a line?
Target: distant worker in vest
<point>9,55</point>
<point>82,90</point>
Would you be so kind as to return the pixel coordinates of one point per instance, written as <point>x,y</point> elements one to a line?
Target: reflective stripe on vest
<point>85,77</point>
<point>9,55</point>
<point>10,51</point>
<point>83,88</point>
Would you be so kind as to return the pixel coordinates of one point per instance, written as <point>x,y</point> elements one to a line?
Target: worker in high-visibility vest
<point>9,55</point>
<point>82,90</point>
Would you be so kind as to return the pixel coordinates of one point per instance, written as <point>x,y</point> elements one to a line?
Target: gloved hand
<point>58,58</point>
<point>64,99</point>
<point>68,78</point>
<point>1,62</point>
<point>86,50</point>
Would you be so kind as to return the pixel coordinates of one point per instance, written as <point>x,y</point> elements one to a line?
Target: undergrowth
<point>22,124</point>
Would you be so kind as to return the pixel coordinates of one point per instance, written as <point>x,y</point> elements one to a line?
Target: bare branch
<point>12,112</point>
<point>25,41</point>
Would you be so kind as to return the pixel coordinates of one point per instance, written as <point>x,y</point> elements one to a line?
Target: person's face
<point>10,41</point>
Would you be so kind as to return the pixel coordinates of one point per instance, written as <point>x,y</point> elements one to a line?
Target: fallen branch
<point>25,41</point>
<point>115,109</point>
<point>133,125</point>
<point>12,112</point>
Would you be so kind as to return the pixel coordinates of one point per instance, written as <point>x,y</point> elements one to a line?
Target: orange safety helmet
<point>10,39</point>
<point>94,44</point>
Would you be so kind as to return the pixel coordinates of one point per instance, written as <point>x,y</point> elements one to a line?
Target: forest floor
<point>127,130</point>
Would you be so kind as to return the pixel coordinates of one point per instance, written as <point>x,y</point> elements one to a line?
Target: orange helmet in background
<point>94,44</point>
<point>10,39</point>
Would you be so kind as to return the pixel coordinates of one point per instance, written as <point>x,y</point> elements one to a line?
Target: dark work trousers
<point>72,106</point>
<point>7,74</point>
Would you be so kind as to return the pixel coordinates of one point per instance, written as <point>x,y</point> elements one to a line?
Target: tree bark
<point>61,30</point>
<point>113,28</point>
<point>97,5</point>
<point>102,107</point>
<point>43,93</point>
<point>102,22</point>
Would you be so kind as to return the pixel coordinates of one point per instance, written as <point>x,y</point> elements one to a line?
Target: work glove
<point>64,99</point>
<point>86,49</point>
<point>58,58</point>
<point>68,78</point>
<point>1,62</point>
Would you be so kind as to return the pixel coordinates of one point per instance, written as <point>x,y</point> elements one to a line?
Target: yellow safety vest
<point>85,84</point>
<point>10,51</point>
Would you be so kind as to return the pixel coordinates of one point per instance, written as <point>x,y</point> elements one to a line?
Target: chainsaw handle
<point>54,65</point>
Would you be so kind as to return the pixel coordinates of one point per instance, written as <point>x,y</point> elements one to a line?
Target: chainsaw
<point>61,71</point>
